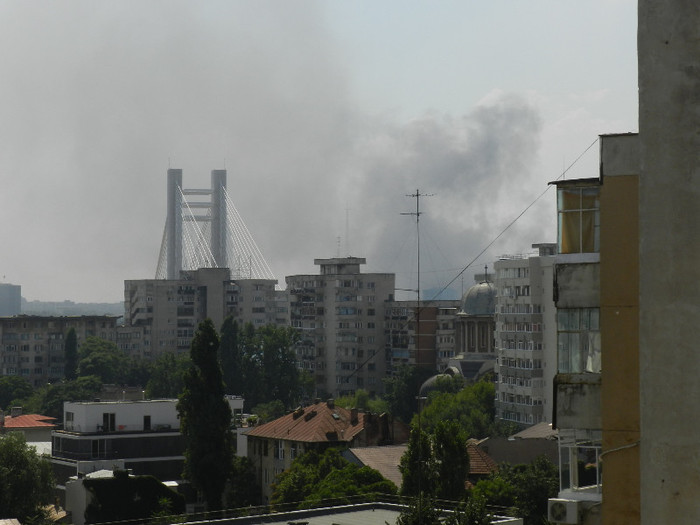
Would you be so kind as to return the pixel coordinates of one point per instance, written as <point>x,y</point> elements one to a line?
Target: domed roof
<point>480,299</point>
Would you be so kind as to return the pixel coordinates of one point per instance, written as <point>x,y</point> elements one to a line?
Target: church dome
<point>480,299</point>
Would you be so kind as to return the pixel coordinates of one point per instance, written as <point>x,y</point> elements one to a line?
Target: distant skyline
<point>325,114</point>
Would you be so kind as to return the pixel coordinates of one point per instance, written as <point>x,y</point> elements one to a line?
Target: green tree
<point>13,388</point>
<point>70,366</point>
<point>269,411</point>
<point>417,465</point>
<point>26,480</point>
<point>101,358</point>
<point>473,512</point>
<point>421,511</point>
<point>524,488</point>
<point>242,489</point>
<point>472,408</point>
<point>402,389</point>
<point>314,477</point>
<point>231,357</point>
<point>451,460</point>
<point>205,418</point>
<point>167,376</point>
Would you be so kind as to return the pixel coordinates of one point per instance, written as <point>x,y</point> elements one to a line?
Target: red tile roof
<point>29,421</point>
<point>316,423</point>
<point>480,463</point>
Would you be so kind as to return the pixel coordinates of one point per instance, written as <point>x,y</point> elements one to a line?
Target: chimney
<point>330,403</point>
<point>15,411</point>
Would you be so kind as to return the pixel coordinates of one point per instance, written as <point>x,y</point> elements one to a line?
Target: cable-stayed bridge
<point>203,229</point>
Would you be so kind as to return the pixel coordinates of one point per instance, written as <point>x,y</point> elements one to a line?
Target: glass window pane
<point>569,199</point>
<point>590,198</point>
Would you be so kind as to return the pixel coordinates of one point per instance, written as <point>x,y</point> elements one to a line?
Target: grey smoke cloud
<point>98,99</point>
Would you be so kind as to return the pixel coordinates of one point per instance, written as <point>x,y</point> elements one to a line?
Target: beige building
<point>526,338</point>
<point>273,446</point>
<point>32,346</point>
<point>165,313</point>
<point>340,314</point>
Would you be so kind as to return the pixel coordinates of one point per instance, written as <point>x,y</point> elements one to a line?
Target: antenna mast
<point>417,195</point>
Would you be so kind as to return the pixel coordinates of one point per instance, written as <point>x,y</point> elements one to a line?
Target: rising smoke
<point>98,99</point>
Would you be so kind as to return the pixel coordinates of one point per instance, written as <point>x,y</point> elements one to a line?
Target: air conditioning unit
<point>563,511</point>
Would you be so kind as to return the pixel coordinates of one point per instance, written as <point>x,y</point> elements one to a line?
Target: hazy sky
<point>326,115</point>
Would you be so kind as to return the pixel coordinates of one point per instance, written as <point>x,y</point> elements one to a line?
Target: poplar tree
<point>205,418</point>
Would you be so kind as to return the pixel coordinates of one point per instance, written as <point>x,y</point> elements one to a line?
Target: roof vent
<point>330,403</point>
<point>15,411</point>
<point>309,415</point>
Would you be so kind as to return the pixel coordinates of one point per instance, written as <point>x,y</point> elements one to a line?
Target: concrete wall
<point>669,253</point>
<point>619,318</point>
<point>128,414</point>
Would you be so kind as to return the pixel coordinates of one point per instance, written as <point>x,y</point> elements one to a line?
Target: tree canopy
<point>525,488</point>
<point>26,480</point>
<point>315,477</point>
<point>13,388</point>
<point>260,364</point>
<point>472,407</point>
<point>167,378</point>
<point>402,390</point>
<point>205,418</point>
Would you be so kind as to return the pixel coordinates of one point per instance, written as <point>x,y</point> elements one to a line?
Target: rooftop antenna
<point>417,195</point>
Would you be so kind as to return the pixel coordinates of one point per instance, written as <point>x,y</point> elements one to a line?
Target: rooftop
<point>317,423</point>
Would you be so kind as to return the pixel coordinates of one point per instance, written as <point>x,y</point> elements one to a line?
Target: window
<point>147,422</point>
<point>578,337</point>
<point>579,219</point>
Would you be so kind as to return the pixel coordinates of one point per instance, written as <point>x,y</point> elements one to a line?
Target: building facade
<point>10,299</point>
<point>32,346</point>
<point>340,314</point>
<point>525,334</point>
<point>597,386</point>
<point>166,312</point>
<point>437,333</point>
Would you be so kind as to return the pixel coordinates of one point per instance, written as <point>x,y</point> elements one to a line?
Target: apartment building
<point>32,346</point>
<point>340,314</point>
<point>526,337</point>
<point>436,334</point>
<point>597,388</point>
<point>164,313</point>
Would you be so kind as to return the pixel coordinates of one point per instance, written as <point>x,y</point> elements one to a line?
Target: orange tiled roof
<point>316,423</point>
<point>480,463</point>
<point>29,421</point>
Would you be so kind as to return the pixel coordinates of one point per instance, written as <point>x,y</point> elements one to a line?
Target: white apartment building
<point>525,336</point>
<point>340,314</point>
<point>168,311</point>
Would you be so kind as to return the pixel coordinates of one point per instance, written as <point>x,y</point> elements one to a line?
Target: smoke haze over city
<point>325,114</point>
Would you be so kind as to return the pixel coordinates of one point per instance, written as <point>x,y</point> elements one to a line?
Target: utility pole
<point>417,195</point>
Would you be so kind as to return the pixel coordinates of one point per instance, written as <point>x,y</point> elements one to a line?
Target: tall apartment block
<point>10,299</point>
<point>340,314</point>
<point>525,336</point>
<point>168,311</point>
<point>33,346</point>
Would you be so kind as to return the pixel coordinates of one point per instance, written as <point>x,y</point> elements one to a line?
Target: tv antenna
<point>417,195</point>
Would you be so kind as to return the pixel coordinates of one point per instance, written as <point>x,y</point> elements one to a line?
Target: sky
<point>327,116</point>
